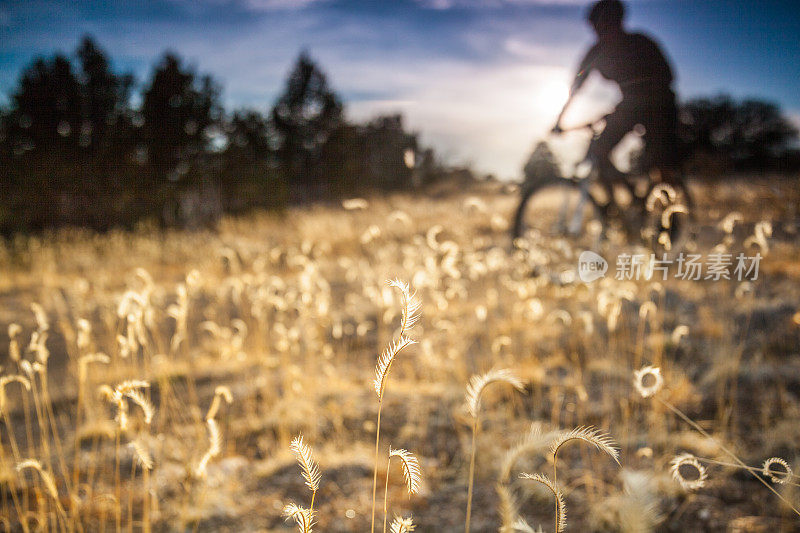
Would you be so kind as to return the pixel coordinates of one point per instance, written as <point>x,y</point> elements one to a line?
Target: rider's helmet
<point>606,13</point>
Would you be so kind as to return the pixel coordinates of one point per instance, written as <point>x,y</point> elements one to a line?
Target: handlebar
<point>592,126</point>
<point>587,126</point>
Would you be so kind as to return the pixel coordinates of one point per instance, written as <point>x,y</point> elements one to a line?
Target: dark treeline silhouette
<point>541,164</point>
<point>75,151</point>
<point>722,134</point>
<point>718,136</point>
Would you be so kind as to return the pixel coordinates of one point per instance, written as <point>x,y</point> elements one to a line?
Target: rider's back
<point>634,62</point>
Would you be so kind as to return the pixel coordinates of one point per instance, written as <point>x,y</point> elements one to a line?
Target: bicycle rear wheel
<point>557,208</point>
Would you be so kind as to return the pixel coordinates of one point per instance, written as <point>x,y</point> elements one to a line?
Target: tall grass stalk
<point>477,385</point>
<point>308,466</point>
<point>561,507</point>
<point>410,315</point>
<point>411,473</point>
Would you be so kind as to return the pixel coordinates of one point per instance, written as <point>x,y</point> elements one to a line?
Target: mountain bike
<point>584,207</point>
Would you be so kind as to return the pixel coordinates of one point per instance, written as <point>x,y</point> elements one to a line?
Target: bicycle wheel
<point>670,217</point>
<point>557,208</point>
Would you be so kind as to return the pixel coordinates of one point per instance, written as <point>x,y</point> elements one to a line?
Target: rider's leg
<point>661,157</point>
<point>618,124</point>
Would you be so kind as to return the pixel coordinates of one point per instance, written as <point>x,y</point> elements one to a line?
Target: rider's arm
<point>584,69</point>
<point>586,65</point>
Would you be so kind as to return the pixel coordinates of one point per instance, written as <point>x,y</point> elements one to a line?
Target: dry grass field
<point>156,381</point>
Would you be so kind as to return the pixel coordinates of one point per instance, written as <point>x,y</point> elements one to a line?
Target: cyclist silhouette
<point>644,76</point>
<point>659,214</point>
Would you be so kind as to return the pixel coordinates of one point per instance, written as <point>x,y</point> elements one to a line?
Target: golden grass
<point>288,314</point>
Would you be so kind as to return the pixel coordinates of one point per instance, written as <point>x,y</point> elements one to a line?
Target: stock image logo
<point>591,266</point>
<point>691,267</point>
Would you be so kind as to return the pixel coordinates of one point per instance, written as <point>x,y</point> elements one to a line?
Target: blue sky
<point>482,80</point>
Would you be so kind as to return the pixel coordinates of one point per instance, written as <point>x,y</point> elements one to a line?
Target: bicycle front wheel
<point>557,208</point>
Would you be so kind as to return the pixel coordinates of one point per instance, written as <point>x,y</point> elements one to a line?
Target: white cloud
<point>492,4</point>
<point>253,5</point>
<point>487,116</point>
<point>483,93</point>
<point>794,117</point>
<point>276,5</point>
<point>488,113</point>
<point>472,4</point>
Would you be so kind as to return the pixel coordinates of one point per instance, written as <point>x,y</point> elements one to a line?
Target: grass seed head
<point>220,393</point>
<point>688,460</point>
<point>385,363</point>
<point>143,456</point>
<point>139,399</point>
<point>310,468</point>
<point>402,525</point>
<point>777,476</point>
<point>5,380</point>
<point>561,519</point>
<point>214,447</point>
<point>411,305</point>
<point>303,517</point>
<point>601,441</point>
<point>648,373</point>
<point>411,470</point>
<point>47,477</point>
<point>478,383</point>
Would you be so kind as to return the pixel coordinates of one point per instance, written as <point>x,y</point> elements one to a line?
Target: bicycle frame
<point>576,223</point>
<point>570,219</point>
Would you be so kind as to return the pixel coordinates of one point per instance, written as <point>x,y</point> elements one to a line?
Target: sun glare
<point>552,95</point>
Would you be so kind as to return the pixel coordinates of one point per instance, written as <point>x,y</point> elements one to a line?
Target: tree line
<point>74,150</point>
<point>721,134</point>
<point>718,137</point>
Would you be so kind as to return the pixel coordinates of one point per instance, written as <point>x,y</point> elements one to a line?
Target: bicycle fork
<point>573,228</point>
